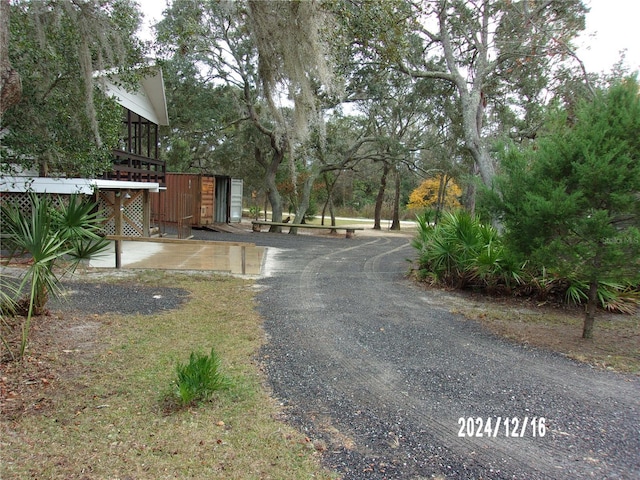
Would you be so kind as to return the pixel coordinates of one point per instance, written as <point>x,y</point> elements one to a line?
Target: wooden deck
<point>136,168</point>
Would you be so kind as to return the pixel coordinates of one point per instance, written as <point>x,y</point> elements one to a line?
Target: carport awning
<point>68,186</point>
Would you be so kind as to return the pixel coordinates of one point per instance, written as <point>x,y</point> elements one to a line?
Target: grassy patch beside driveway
<point>91,400</point>
<point>615,345</point>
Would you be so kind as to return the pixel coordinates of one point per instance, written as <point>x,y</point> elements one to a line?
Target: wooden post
<point>119,208</point>
<point>118,247</point>
<point>146,213</point>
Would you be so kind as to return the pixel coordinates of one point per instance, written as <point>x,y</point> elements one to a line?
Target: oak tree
<point>494,53</point>
<point>271,53</point>
<point>64,124</point>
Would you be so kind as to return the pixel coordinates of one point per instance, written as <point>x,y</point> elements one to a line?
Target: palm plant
<point>200,378</point>
<point>461,250</point>
<point>452,248</point>
<point>424,230</point>
<point>48,234</point>
<point>612,296</point>
<point>8,292</point>
<point>80,222</point>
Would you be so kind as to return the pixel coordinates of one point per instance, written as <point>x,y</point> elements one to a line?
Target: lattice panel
<point>19,199</point>
<point>133,215</point>
<point>105,204</point>
<point>23,200</point>
<point>132,210</point>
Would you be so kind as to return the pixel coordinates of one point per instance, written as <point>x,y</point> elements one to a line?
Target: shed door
<point>207,200</point>
<point>236,200</point>
<point>222,200</point>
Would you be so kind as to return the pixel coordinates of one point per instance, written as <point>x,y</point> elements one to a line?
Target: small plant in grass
<point>200,378</point>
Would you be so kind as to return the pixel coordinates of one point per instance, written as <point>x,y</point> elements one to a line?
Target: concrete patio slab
<point>174,254</point>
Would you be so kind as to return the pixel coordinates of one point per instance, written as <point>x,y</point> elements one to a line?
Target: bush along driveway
<point>389,384</point>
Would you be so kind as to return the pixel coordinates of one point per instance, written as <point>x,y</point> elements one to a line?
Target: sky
<point>611,27</point>
<point>615,26</point>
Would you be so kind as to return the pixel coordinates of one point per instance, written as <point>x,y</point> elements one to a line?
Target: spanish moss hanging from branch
<point>292,58</point>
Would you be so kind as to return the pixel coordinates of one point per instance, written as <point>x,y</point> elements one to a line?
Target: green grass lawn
<point>108,411</point>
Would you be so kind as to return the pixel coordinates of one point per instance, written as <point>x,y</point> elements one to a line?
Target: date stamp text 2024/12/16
<point>511,427</point>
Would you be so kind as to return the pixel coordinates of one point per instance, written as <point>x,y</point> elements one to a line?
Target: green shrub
<point>461,251</point>
<point>254,211</point>
<point>200,378</point>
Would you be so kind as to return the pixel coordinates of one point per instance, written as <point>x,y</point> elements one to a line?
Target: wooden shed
<point>197,200</point>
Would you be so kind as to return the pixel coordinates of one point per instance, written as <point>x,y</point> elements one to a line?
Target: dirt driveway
<point>389,384</point>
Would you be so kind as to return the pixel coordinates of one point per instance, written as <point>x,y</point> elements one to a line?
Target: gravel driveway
<point>379,374</point>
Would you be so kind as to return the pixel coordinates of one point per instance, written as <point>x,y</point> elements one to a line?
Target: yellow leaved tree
<point>441,193</point>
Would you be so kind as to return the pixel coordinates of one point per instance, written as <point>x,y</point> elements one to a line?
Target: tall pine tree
<point>571,202</point>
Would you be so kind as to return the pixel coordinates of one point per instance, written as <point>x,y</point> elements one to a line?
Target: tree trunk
<point>380,197</point>
<point>472,100</point>
<point>278,147</point>
<point>470,198</point>
<point>333,214</point>
<point>395,224</point>
<point>303,204</point>
<point>10,82</point>
<point>266,205</point>
<point>471,192</point>
<point>590,314</point>
<point>329,203</point>
<point>442,195</point>
<point>272,191</point>
<point>40,301</point>
<point>472,125</point>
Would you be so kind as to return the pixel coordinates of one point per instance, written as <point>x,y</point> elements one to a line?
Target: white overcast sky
<point>615,26</point>
<point>612,26</point>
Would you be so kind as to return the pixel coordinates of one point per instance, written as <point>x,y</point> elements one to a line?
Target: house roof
<point>148,100</point>
<point>68,186</point>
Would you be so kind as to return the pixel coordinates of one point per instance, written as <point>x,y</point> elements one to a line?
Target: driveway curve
<point>389,384</point>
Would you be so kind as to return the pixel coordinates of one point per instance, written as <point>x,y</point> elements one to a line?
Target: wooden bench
<point>257,224</point>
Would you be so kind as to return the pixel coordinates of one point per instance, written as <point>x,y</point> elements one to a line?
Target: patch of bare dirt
<point>56,345</point>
